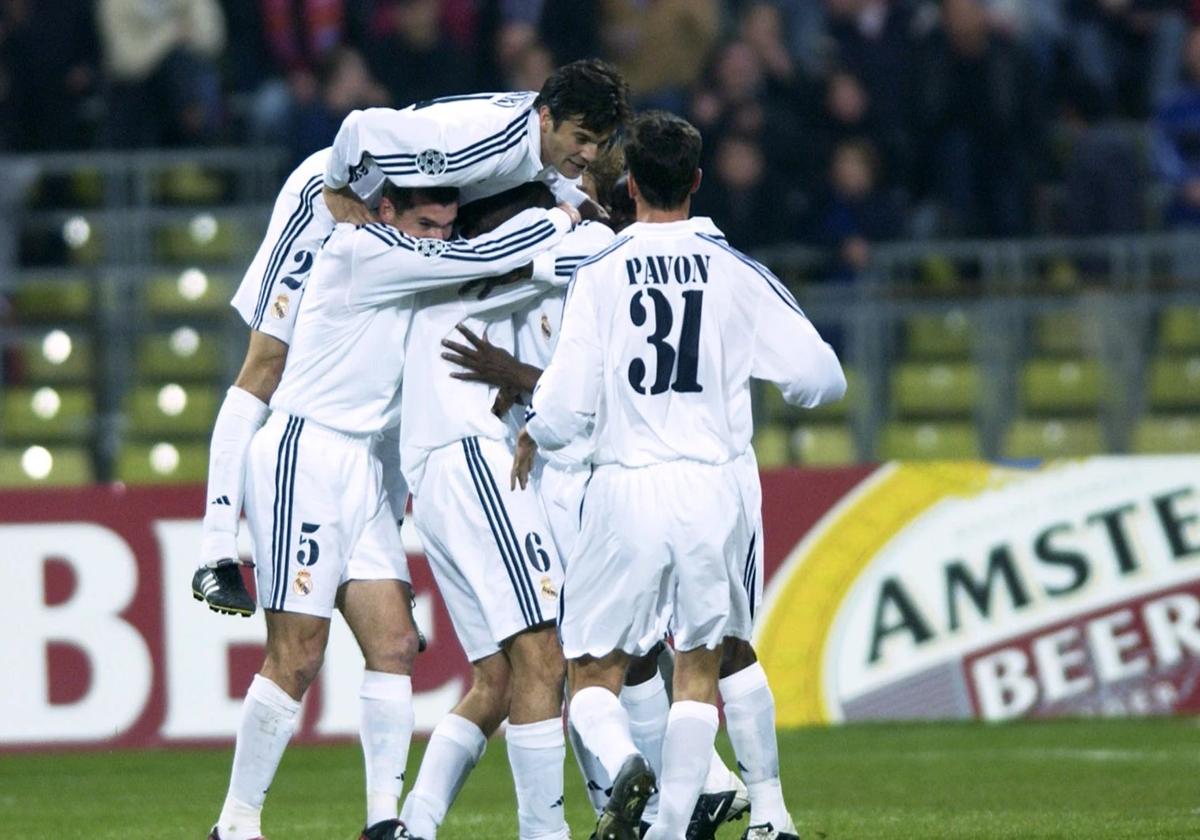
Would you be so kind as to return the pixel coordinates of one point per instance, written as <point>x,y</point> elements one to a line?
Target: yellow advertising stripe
<point>809,589</point>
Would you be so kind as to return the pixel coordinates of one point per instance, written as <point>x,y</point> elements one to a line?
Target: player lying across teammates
<point>327,476</point>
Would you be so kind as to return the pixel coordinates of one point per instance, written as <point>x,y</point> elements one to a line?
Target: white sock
<point>595,777</point>
<point>750,720</point>
<point>691,732</point>
<point>603,725</point>
<point>720,777</point>
<point>454,749</point>
<point>385,730</point>
<point>648,709</point>
<point>268,721</point>
<point>241,415</point>
<point>536,752</point>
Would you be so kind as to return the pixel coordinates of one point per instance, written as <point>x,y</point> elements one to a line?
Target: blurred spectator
<point>1177,142</point>
<point>736,99</point>
<point>48,66</point>
<point>737,192</point>
<point>874,40</point>
<point>409,52</point>
<point>345,84</point>
<point>161,61</point>
<point>531,69</point>
<point>762,29</point>
<point>571,29</point>
<point>275,49</point>
<point>660,46</point>
<point>848,114</point>
<point>1127,53</point>
<point>977,123</point>
<point>856,211</point>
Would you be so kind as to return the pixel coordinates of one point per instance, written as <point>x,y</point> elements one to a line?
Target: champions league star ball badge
<point>303,583</point>
<point>431,247</point>
<point>280,307</point>
<point>431,162</point>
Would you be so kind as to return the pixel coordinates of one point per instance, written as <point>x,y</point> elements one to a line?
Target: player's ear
<point>387,210</point>
<point>631,186</point>
<point>545,120</point>
<point>697,179</point>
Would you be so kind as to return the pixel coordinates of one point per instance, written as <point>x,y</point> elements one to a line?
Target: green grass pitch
<point>1073,779</point>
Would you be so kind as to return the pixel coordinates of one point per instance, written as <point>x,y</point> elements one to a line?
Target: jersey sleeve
<point>556,267</point>
<point>564,188</point>
<point>412,147</point>
<point>788,350</point>
<point>563,406</point>
<point>388,264</point>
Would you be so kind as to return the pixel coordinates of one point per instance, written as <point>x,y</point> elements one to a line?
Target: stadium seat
<point>945,335</point>
<point>53,297</point>
<point>57,356</point>
<point>922,389</point>
<point>1179,329</point>
<point>914,441</point>
<point>45,414</point>
<point>189,183</point>
<point>1174,383</point>
<point>1166,434</point>
<point>39,466</point>
<point>771,447</point>
<point>171,411</point>
<point>824,445</point>
<point>1060,333</point>
<point>1057,438</point>
<point>182,354</point>
<point>1053,386</point>
<point>163,463</point>
<point>203,238</point>
<point>191,293</point>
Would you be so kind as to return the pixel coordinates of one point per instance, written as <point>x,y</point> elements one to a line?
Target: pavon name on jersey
<point>660,269</point>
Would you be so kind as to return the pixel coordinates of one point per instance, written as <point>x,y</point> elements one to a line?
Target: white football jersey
<point>438,409</point>
<point>538,325</point>
<point>346,360</point>
<point>483,143</point>
<point>661,334</point>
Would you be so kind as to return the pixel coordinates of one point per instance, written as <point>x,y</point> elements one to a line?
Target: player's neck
<point>658,215</point>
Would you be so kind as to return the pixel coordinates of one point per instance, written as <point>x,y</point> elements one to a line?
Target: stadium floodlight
<point>37,462</point>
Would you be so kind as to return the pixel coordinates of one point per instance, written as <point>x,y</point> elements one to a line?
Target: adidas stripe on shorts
<point>319,515</point>
<point>489,547</point>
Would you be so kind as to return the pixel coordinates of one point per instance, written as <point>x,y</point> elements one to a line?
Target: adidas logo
<point>221,500</point>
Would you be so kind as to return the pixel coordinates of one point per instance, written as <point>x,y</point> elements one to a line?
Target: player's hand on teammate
<point>345,206</point>
<point>590,211</point>
<point>571,211</point>
<point>484,361</point>
<point>523,460</point>
<point>506,398</point>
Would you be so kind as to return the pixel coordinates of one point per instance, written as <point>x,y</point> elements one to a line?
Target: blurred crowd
<point>839,123</point>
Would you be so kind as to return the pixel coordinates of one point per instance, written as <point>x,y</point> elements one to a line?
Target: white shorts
<point>489,547</point>
<point>672,539</point>
<point>753,574</point>
<point>269,296</point>
<point>319,515</point>
<point>561,491</point>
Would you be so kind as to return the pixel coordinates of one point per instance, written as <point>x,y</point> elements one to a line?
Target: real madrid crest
<point>431,162</point>
<point>545,325</point>
<point>431,247</point>
<point>280,307</point>
<point>303,583</point>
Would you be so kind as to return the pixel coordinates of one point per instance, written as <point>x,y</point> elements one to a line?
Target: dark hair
<point>663,154</point>
<point>590,91</point>
<point>487,214</point>
<point>622,211</point>
<point>403,198</point>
